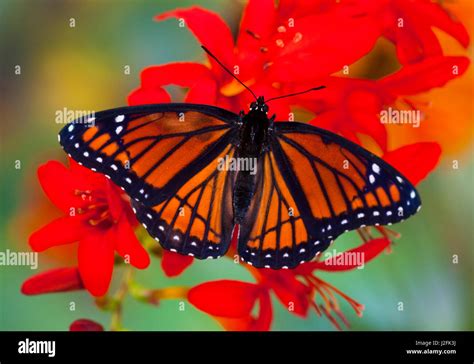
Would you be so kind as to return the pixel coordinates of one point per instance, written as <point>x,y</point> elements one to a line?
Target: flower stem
<point>116,321</point>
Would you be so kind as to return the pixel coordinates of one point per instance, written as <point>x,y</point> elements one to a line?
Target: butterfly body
<point>308,185</point>
<point>254,139</point>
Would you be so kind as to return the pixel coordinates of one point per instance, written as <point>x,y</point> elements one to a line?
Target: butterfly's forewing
<point>150,151</point>
<point>332,186</point>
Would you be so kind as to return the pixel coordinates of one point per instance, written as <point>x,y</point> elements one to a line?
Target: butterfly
<point>197,174</point>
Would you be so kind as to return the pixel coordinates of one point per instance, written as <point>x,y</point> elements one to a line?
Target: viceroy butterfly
<point>311,185</point>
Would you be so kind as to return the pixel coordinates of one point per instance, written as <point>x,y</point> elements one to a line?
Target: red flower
<point>54,280</point>
<point>350,106</point>
<point>271,52</point>
<point>96,215</point>
<point>282,53</point>
<point>232,302</point>
<point>85,325</point>
<point>323,296</point>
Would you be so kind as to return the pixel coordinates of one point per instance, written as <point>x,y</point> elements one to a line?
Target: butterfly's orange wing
<point>165,157</point>
<point>313,186</point>
<point>198,219</point>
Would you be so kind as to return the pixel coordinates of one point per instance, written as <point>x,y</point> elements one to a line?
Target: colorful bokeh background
<point>82,68</point>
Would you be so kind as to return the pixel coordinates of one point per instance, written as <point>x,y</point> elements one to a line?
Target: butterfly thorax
<point>253,141</point>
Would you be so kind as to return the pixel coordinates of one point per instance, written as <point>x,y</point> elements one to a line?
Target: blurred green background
<point>82,68</point>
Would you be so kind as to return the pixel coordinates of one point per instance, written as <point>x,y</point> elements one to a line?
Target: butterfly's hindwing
<point>197,220</point>
<point>275,234</point>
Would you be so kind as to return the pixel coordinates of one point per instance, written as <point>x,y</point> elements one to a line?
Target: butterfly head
<point>259,105</point>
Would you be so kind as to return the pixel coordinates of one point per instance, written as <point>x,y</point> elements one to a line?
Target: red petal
<point>265,315</point>
<point>61,231</point>
<point>225,298</point>
<point>415,161</point>
<point>292,293</point>
<point>210,30</point>
<point>437,16</point>
<point>96,262</point>
<point>249,52</point>
<point>144,96</point>
<point>236,324</point>
<point>85,325</point>
<point>349,107</point>
<point>415,41</point>
<point>302,60</point>
<point>424,75</point>
<point>54,280</point>
<point>128,246</point>
<point>367,251</point>
<point>292,8</point>
<point>252,20</point>
<point>173,264</point>
<point>197,77</point>
<point>249,323</point>
<point>115,201</point>
<point>85,179</point>
<point>58,184</point>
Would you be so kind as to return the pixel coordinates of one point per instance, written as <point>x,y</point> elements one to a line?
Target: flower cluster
<point>279,49</point>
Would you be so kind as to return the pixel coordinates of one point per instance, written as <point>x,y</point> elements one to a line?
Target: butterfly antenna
<point>297,93</point>
<point>227,70</point>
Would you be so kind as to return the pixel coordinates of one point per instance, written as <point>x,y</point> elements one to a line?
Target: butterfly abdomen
<point>243,193</point>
